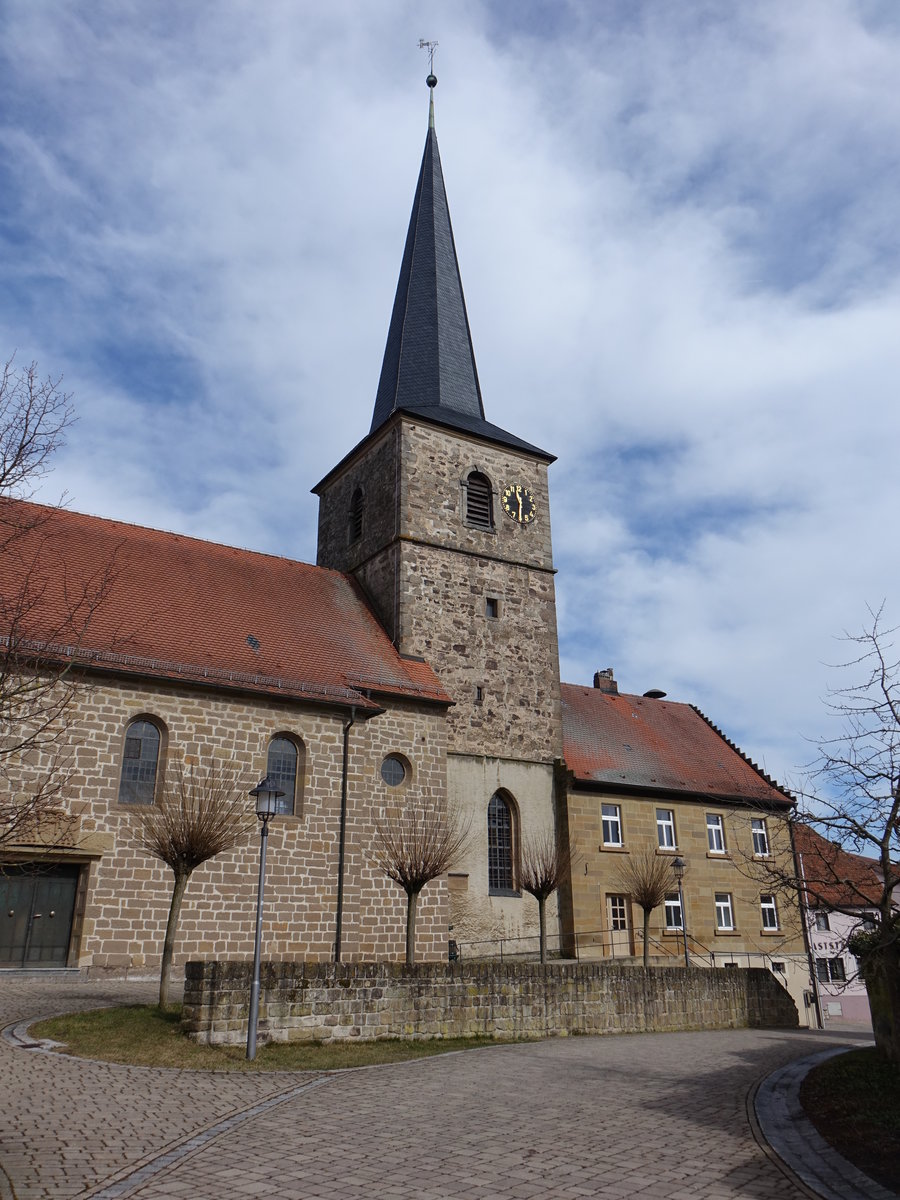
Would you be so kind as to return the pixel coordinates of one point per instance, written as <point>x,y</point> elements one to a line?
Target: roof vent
<point>252,642</point>
<point>654,694</point>
<point>605,682</point>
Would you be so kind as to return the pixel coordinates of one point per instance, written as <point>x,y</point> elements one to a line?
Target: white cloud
<point>676,226</point>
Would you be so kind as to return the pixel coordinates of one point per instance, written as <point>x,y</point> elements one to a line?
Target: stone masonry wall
<point>429,574</point>
<point>318,1001</point>
<point>121,921</point>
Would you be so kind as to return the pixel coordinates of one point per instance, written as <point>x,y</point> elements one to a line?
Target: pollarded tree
<point>547,862</point>
<point>45,614</point>
<point>647,877</point>
<point>201,813</point>
<point>415,844</point>
<point>856,803</point>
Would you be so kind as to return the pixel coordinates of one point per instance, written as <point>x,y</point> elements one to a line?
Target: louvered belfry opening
<point>479,501</point>
<point>356,516</point>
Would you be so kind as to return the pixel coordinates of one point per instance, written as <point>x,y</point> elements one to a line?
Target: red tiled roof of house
<point>177,607</point>
<point>833,876</point>
<point>642,743</point>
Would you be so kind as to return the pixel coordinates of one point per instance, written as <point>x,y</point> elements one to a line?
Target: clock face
<point>518,503</point>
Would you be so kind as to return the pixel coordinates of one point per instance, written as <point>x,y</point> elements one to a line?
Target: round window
<point>393,772</point>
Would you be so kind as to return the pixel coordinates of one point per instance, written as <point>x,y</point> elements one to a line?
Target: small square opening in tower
<point>492,607</point>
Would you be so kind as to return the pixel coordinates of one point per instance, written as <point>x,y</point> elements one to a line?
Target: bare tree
<point>646,876</point>
<point>34,416</point>
<point>547,861</point>
<point>200,814</point>
<point>45,611</point>
<point>856,802</point>
<point>414,845</point>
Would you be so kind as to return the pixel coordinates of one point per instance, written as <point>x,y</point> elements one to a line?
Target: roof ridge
<point>171,533</point>
<point>764,775</point>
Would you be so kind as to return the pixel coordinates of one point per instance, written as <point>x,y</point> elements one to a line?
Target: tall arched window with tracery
<point>479,501</point>
<point>501,864</point>
<point>140,762</point>
<point>283,766</point>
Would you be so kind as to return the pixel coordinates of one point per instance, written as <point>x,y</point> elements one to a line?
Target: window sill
<point>613,849</point>
<point>667,851</point>
<point>727,933</point>
<point>770,933</point>
<point>673,933</point>
<point>511,892</point>
<point>718,854</point>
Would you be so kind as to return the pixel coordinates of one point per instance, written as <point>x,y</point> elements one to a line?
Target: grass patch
<point>142,1035</point>
<point>853,1100</point>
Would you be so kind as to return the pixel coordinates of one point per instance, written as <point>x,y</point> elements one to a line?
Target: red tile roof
<point>182,608</point>
<point>641,743</point>
<point>834,876</point>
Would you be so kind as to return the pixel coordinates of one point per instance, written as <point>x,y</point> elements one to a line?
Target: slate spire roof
<point>429,362</point>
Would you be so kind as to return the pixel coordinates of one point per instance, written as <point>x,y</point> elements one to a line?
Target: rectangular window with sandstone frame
<point>673,912</point>
<point>612,824</point>
<point>665,829</point>
<point>724,912</point>
<point>715,833</point>
<point>769,912</point>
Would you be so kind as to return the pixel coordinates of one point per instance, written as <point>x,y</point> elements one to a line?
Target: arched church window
<point>479,501</point>
<point>356,516</point>
<point>501,875</point>
<point>282,766</point>
<point>140,762</point>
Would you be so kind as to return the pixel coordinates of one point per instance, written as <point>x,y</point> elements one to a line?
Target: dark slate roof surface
<point>641,743</point>
<point>429,362</point>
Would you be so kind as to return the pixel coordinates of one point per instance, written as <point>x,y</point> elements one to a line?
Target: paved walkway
<point>657,1116</point>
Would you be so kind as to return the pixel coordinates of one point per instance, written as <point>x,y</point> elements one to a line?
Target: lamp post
<point>265,796</point>
<point>678,868</point>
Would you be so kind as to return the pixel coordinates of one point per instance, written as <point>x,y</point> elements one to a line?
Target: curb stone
<point>795,1140</point>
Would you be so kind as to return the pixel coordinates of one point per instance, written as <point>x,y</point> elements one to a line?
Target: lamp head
<point>678,867</point>
<point>266,795</point>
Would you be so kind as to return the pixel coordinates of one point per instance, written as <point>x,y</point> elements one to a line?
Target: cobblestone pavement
<point>659,1116</point>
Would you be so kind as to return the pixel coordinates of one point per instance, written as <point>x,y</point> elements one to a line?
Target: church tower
<point>444,520</point>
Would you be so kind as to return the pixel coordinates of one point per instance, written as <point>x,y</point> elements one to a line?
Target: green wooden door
<point>37,904</point>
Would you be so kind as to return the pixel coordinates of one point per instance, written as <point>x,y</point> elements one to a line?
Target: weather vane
<point>430,47</point>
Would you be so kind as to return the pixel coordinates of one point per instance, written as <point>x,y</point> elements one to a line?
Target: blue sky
<point>677,229</point>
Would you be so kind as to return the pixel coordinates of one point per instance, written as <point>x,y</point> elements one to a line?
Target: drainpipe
<point>343,841</point>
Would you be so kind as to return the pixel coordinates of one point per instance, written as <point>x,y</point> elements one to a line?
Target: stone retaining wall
<point>305,1001</point>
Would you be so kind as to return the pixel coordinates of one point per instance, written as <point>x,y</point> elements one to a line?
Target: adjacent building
<point>646,775</point>
<point>840,897</point>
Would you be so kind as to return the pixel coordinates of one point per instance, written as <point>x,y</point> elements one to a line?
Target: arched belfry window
<point>479,501</point>
<point>283,766</point>
<point>356,516</point>
<point>501,873</point>
<point>140,763</point>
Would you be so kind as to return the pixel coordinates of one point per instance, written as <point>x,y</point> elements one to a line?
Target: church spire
<point>429,363</point>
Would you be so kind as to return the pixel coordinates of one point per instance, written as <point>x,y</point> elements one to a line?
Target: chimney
<point>605,682</point>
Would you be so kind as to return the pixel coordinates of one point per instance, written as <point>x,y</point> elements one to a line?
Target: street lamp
<point>265,796</point>
<point>678,868</point>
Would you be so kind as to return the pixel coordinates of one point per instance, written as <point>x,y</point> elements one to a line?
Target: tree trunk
<point>881,973</point>
<point>542,918</point>
<point>411,898</point>
<point>165,970</point>
<point>647,912</point>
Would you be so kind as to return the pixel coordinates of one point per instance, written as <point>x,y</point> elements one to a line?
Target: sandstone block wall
<point>429,574</point>
<point>124,895</point>
<point>318,1001</point>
